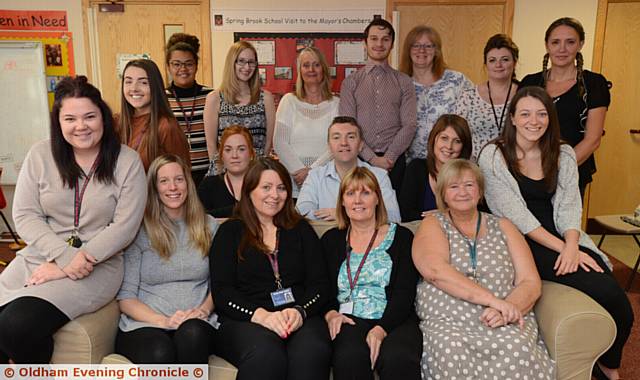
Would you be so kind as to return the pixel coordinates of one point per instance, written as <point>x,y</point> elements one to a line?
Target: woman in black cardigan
<point>269,283</point>
<point>373,281</point>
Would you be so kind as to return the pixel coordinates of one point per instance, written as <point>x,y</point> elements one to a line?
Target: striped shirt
<point>383,101</point>
<point>190,101</point>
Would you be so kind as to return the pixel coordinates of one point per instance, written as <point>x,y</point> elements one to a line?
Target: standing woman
<point>187,97</point>
<point>165,299</point>
<point>304,116</point>
<point>146,122</point>
<point>581,97</point>
<point>220,193</point>
<point>450,138</point>
<point>270,283</point>
<point>437,88</point>
<point>79,201</point>
<point>532,179</point>
<point>371,317</point>
<point>239,101</point>
<point>485,106</point>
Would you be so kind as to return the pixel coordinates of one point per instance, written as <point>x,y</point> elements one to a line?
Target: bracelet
<point>302,311</point>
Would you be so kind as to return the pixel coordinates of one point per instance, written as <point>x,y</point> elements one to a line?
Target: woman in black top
<point>450,138</point>
<point>269,283</point>
<point>373,281</point>
<point>581,97</point>
<point>220,193</point>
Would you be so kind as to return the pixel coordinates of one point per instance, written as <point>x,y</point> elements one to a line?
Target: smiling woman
<point>146,122</point>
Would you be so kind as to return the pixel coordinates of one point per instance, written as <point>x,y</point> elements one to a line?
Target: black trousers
<point>396,174</point>
<point>259,353</point>
<point>602,287</point>
<point>27,325</point>
<point>399,356</point>
<point>191,343</point>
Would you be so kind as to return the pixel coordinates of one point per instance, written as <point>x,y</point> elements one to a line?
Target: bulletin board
<point>57,51</point>
<point>344,52</point>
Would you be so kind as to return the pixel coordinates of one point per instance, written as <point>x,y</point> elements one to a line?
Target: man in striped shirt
<point>383,101</point>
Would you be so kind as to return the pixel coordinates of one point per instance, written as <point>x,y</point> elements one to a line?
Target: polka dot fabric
<point>456,345</point>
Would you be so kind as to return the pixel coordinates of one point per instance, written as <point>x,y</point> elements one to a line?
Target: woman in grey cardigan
<point>165,298</point>
<point>532,179</point>
<point>78,202</point>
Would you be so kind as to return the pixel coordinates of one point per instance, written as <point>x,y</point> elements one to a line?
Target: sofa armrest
<point>575,329</point>
<point>88,338</point>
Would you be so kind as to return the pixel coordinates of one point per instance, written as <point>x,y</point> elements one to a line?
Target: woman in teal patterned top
<point>370,316</point>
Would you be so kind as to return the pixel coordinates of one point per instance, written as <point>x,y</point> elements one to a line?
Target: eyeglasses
<point>176,65</point>
<point>241,62</point>
<point>423,46</point>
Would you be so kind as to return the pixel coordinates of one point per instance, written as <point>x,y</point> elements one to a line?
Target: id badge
<point>282,297</point>
<point>346,308</point>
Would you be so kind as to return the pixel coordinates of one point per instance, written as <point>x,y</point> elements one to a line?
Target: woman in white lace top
<point>304,116</point>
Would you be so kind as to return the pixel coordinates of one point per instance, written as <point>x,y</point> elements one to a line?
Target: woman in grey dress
<point>165,298</point>
<point>480,284</point>
<point>71,265</point>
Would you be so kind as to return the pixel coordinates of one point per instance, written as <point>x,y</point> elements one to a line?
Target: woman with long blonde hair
<point>167,308</point>
<point>240,100</point>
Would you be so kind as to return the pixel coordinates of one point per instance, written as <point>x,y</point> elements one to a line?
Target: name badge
<point>282,297</point>
<point>346,308</point>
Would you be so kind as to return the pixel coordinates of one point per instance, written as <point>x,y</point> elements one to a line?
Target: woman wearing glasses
<point>437,88</point>
<point>187,97</point>
<point>239,101</point>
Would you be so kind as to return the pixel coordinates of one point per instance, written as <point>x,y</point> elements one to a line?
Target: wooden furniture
<point>614,225</point>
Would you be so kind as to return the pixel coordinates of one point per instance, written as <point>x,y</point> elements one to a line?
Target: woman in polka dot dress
<point>480,284</point>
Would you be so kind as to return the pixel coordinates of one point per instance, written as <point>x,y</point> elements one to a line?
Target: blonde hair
<point>326,81</point>
<point>451,170</point>
<point>438,65</point>
<point>360,177</point>
<point>160,228</point>
<point>230,86</point>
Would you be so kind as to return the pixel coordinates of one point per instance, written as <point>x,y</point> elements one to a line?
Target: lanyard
<point>353,281</point>
<point>504,108</point>
<point>473,254</point>
<point>79,194</point>
<point>228,181</point>
<point>188,119</point>
<point>273,260</point>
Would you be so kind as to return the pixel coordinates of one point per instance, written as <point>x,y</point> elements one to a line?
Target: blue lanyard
<point>473,253</point>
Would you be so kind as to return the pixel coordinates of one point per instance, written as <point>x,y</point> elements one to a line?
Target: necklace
<point>493,108</point>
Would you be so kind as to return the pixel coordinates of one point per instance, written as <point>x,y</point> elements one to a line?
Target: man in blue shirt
<point>318,196</point>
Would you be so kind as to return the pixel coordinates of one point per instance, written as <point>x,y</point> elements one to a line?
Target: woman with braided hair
<point>581,97</point>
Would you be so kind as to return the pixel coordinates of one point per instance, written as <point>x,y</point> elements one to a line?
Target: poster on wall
<point>344,53</point>
<point>57,50</point>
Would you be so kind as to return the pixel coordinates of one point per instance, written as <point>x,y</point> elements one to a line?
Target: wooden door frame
<point>205,61</point>
<point>509,6</point>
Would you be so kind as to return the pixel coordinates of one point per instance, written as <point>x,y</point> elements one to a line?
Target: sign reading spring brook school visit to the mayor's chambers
<point>346,21</point>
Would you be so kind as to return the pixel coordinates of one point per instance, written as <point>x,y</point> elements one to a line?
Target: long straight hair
<point>357,178</point>
<point>460,127</point>
<point>245,211</point>
<point>160,109</point>
<point>160,229</point>
<point>326,77</point>
<point>230,85</point>
<point>70,171</point>
<point>549,143</point>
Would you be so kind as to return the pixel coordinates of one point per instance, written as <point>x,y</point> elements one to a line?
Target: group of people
<point>261,289</point>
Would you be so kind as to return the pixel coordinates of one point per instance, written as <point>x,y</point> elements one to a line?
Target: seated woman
<point>146,122</point>
<point>479,286</point>
<point>371,319</point>
<point>270,284</point>
<point>304,116</point>
<point>79,200</point>
<point>532,179</point>
<point>220,193</point>
<point>165,299</point>
<point>450,138</point>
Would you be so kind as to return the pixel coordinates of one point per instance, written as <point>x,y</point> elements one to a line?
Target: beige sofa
<point>575,329</point>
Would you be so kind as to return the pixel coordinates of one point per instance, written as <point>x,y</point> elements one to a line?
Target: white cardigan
<point>504,198</point>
